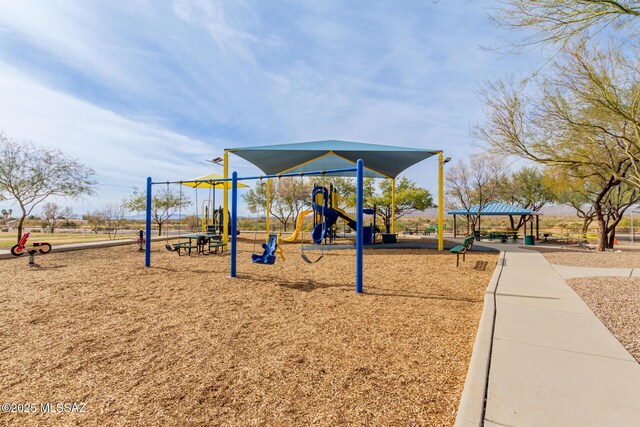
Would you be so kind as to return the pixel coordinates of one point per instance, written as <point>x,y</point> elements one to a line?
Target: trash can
<point>367,235</point>
<point>529,240</point>
<point>389,238</point>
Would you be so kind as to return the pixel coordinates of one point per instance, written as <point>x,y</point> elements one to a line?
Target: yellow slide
<point>299,223</point>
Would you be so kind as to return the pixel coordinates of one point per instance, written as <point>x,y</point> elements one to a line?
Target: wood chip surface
<point>290,344</point>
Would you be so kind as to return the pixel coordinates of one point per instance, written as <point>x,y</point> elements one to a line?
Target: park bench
<point>215,243</point>
<point>433,229</point>
<point>462,249</point>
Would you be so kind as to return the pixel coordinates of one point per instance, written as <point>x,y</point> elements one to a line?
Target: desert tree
<point>561,22</point>
<point>565,129</point>
<point>31,174</point>
<point>476,182</point>
<point>95,220</point>
<point>53,215</point>
<point>346,188</point>
<point>114,215</point>
<point>287,198</point>
<point>165,203</point>
<point>528,188</point>
<point>409,198</point>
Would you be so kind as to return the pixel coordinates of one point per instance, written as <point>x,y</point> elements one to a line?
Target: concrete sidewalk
<point>6,254</point>
<point>553,363</point>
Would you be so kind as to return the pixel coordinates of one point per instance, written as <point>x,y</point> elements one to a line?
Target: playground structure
<point>317,158</point>
<point>325,205</point>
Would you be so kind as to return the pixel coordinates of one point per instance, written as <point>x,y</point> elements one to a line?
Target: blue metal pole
<point>359,220</point>
<point>147,246</point>
<point>234,219</point>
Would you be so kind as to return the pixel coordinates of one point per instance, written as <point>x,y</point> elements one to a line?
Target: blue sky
<point>136,88</point>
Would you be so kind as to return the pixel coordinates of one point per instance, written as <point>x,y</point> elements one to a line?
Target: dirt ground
<point>289,344</point>
<point>616,302</point>
<point>622,258</point>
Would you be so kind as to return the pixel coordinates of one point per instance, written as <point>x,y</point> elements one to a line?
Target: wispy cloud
<point>137,88</point>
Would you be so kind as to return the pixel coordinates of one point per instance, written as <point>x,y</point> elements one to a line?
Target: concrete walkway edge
<point>89,245</point>
<point>472,402</point>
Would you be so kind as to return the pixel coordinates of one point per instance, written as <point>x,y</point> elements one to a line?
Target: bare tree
<point>31,174</point>
<point>96,220</point>
<point>114,217</point>
<point>53,215</point>
<point>474,183</point>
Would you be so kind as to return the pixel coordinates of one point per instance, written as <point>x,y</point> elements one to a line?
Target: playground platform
<point>542,357</point>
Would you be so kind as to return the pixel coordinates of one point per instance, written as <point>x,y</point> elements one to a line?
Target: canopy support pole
<point>393,205</point>
<point>225,220</point>
<point>440,201</point>
<point>234,219</point>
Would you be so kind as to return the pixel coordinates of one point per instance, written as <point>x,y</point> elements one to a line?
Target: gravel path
<point>626,258</point>
<point>616,302</point>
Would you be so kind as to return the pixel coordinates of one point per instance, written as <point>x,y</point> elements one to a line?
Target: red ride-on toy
<point>21,247</point>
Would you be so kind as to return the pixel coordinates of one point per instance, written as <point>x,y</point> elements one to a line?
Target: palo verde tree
<point>528,188</point>
<point>53,215</point>
<point>30,175</point>
<point>165,203</point>
<point>409,197</point>
<point>559,22</point>
<point>474,183</point>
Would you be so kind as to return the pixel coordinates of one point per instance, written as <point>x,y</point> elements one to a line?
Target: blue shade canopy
<point>494,208</point>
<point>380,161</point>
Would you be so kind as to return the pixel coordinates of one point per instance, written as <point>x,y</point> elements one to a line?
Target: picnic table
<point>210,242</point>
<point>501,235</point>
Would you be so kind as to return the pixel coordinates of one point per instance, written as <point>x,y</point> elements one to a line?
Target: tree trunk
<point>611,238</point>
<point>602,234</point>
<point>20,224</point>
<point>160,229</point>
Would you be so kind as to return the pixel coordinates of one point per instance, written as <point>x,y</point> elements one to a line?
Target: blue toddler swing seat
<point>269,254</point>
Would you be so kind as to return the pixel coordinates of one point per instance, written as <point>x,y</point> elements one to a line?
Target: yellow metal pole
<point>225,223</point>
<point>440,201</point>
<point>393,206</point>
<point>267,209</point>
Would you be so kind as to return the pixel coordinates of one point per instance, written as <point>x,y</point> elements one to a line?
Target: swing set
<point>271,246</point>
